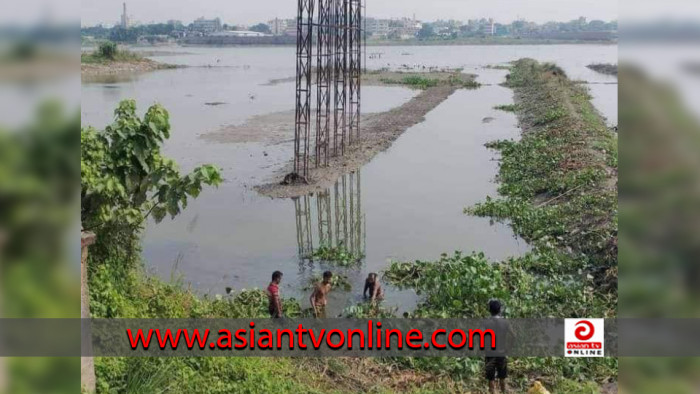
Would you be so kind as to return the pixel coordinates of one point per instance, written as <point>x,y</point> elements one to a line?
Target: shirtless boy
<point>318,297</point>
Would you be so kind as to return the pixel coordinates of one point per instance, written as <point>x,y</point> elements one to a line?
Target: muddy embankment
<point>378,131</point>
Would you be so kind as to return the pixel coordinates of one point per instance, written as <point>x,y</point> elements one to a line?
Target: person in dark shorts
<point>273,294</point>
<point>496,365</point>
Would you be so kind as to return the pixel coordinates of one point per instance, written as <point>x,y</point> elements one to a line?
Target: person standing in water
<point>273,294</point>
<point>375,289</point>
<point>318,298</point>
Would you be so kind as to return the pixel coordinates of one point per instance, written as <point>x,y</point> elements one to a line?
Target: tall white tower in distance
<point>125,19</point>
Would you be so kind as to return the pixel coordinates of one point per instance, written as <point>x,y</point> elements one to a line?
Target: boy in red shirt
<point>273,293</point>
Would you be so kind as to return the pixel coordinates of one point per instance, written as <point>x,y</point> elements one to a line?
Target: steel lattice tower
<point>339,49</point>
<point>340,75</point>
<point>302,119</point>
<point>355,67</point>
<point>324,38</point>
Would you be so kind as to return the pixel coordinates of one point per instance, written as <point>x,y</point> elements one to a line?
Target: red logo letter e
<point>580,332</point>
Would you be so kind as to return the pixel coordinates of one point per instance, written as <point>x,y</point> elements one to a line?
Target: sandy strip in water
<point>378,132</point>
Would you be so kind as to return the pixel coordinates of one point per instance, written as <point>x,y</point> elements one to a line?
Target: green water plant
<point>338,255</point>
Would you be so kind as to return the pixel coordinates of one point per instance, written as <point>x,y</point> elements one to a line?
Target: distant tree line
<point>120,35</point>
<point>441,28</point>
<point>130,35</point>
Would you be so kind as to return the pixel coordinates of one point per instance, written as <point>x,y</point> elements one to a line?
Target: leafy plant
<point>107,50</point>
<point>124,177</point>
<point>337,255</point>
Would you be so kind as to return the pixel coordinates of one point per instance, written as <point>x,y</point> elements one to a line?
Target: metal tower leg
<point>323,83</point>
<point>302,119</point>
<point>355,67</point>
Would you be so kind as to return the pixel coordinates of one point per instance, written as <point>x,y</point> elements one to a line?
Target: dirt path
<point>379,131</point>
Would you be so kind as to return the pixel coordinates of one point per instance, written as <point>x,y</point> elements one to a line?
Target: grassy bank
<point>422,80</point>
<point>118,291</point>
<point>108,58</point>
<point>558,191</point>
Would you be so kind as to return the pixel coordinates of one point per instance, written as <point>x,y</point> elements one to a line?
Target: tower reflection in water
<point>332,218</point>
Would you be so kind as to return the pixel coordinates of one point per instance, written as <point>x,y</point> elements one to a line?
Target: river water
<point>405,204</point>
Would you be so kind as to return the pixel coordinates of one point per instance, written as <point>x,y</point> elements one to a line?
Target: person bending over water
<point>318,297</point>
<point>375,289</point>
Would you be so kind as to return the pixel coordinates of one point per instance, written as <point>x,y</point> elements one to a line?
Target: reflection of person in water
<point>318,297</point>
<point>375,289</point>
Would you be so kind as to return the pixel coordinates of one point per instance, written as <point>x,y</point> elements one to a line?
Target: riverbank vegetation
<point>108,58</point>
<point>507,107</point>
<point>109,52</point>
<point>422,80</point>
<point>558,191</point>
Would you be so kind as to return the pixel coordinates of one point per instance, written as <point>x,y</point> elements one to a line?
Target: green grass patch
<point>423,82</point>
<point>507,107</point>
<point>109,52</point>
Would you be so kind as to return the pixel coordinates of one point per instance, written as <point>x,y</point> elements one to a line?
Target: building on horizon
<point>206,26</point>
<point>404,28</point>
<point>291,29</point>
<point>377,27</point>
<point>278,26</point>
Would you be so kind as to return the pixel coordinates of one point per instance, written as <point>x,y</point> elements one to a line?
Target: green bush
<point>107,50</point>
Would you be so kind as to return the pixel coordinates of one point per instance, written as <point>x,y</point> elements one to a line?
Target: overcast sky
<point>253,11</point>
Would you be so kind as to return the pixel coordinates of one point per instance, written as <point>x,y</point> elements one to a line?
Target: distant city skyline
<point>109,12</point>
